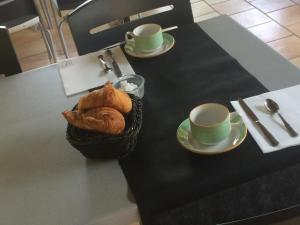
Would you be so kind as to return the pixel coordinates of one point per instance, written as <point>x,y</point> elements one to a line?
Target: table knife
<point>114,63</point>
<point>256,121</point>
<point>96,88</point>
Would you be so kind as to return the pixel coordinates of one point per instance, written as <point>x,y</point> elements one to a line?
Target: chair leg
<point>62,38</point>
<point>53,7</point>
<point>45,13</point>
<point>51,45</point>
<point>48,14</point>
<point>48,42</point>
<point>59,24</point>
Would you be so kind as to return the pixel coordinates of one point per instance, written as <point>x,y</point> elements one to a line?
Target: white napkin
<point>85,72</point>
<point>288,100</point>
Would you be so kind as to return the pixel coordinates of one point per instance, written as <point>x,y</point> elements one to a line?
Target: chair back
<point>9,64</point>
<point>99,12</point>
<point>68,4</point>
<point>14,9</point>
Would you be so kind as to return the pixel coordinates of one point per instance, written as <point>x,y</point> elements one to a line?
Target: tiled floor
<point>275,22</point>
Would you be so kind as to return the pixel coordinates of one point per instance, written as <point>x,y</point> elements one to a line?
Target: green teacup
<point>210,123</point>
<point>145,38</point>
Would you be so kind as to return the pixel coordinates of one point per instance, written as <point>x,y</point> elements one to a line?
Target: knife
<point>114,63</point>
<point>95,88</point>
<point>256,121</point>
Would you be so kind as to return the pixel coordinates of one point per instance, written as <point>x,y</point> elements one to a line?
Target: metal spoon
<point>273,107</point>
<point>106,67</point>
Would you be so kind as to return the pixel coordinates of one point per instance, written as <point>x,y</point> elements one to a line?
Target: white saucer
<point>168,43</point>
<point>237,136</point>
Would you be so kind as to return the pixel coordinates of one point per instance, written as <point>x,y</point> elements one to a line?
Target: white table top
<point>43,180</point>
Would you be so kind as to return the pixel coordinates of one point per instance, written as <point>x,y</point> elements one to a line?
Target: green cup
<point>210,123</point>
<point>145,38</point>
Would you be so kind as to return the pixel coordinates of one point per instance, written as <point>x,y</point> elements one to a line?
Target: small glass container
<point>132,84</point>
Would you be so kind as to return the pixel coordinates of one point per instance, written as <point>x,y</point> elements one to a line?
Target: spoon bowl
<point>273,107</point>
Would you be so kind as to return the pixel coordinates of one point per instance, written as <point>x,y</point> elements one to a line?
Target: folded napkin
<point>85,72</point>
<point>288,100</point>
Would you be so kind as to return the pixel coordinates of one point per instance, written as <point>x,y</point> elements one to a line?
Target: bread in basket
<point>98,135</point>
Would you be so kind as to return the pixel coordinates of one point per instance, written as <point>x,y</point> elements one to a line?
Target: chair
<point>21,14</point>
<point>68,4</point>
<point>59,7</point>
<point>9,63</point>
<point>94,13</point>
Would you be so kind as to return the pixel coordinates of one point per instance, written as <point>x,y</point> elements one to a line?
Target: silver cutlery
<point>114,45</point>
<point>114,63</point>
<point>95,88</point>
<point>106,67</point>
<point>272,140</point>
<point>273,107</point>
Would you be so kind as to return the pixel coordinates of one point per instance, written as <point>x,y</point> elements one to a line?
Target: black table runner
<point>161,174</point>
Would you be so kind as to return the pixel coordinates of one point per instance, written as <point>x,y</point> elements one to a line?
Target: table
<point>45,181</point>
<point>171,184</point>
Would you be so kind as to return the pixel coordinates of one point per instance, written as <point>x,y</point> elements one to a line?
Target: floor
<point>275,22</point>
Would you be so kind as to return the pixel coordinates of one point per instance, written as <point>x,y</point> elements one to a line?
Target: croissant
<point>103,119</point>
<point>107,96</point>
<point>92,100</point>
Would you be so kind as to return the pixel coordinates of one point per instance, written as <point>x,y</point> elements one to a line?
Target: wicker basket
<point>100,146</point>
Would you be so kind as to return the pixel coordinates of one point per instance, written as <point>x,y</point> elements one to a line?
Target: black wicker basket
<point>101,146</point>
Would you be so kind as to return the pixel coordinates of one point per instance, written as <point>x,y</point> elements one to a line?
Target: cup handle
<point>129,37</point>
<point>235,118</point>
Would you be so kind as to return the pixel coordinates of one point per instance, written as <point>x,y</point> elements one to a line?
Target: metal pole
<point>61,36</point>
<point>50,54</point>
<point>54,13</point>
<point>46,14</point>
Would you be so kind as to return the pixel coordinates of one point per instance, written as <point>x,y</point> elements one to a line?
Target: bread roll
<point>108,96</point>
<point>103,119</point>
<point>92,100</point>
